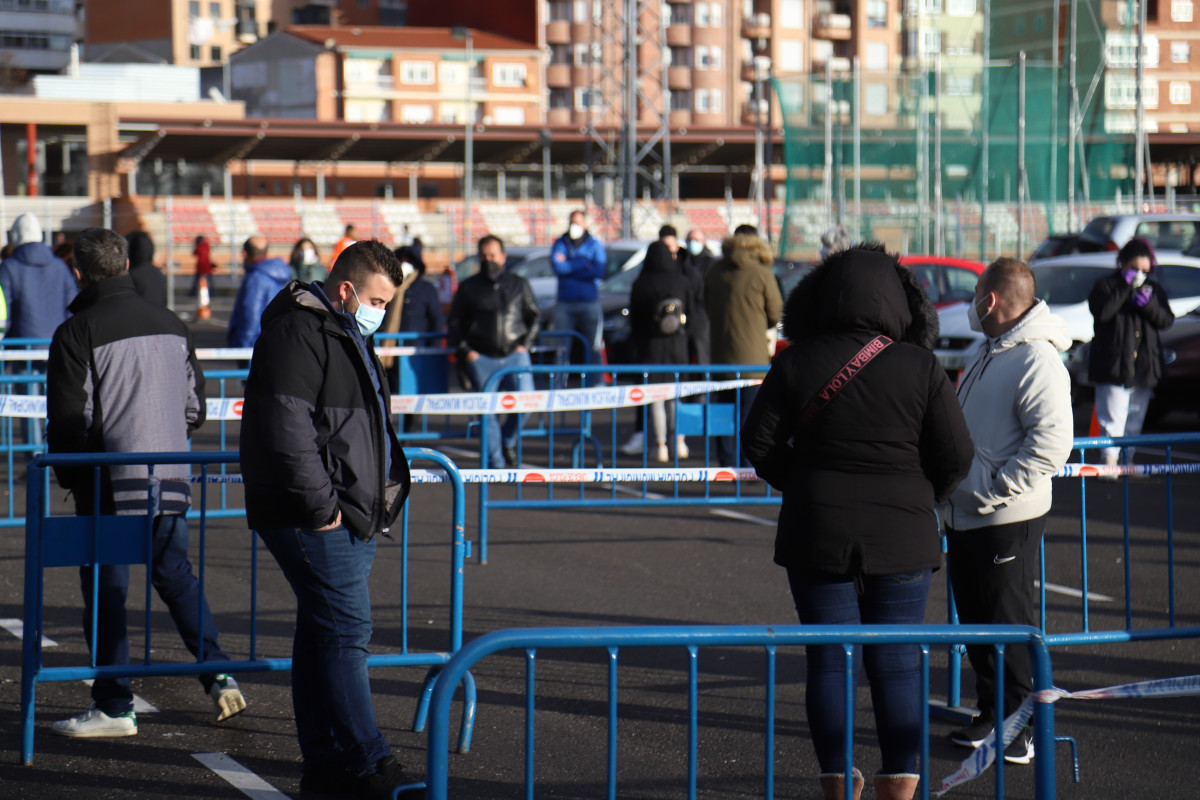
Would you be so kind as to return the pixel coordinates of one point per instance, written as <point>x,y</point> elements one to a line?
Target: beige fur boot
<point>900,786</point>
<point>833,785</point>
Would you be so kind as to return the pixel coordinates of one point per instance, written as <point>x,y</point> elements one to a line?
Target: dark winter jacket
<point>491,317</point>
<point>861,478</point>
<point>422,310</point>
<point>694,268</point>
<point>147,278</point>
<point>743,302</point>
<point>578,266</point>
<point>38,287</point>
<point>313,431</point>
<point>122,377</point>
<point>264,280</point>
<point>661,279</point>
<point>1125,349</point>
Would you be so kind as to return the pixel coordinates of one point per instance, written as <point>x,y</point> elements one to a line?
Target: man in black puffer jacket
<point>324,473</point>
<point>493,323</point>
<point>147,278</point>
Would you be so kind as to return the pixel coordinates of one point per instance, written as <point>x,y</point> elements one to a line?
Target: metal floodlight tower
<point>634,98</point>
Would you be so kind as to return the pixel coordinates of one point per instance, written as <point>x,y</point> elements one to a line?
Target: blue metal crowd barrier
<point>57,540</point>
<point>612,640</point>
<point>705,419</point>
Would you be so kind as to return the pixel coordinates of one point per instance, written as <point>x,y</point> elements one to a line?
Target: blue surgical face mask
<point>695,247</point>
<point>368,317</point>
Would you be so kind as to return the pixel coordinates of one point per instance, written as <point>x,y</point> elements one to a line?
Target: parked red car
<point>946,280</point>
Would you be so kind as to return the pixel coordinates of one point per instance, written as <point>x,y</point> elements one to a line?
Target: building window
<point>708,57</point>
<point>679,57</point>
<point>1181,93</point>
<point>702,15</point>
<point>1121,49</point>
<point>581,54</point>
<point>416,113</point>
<point>681,100</point>
<point>875,98</point>
<point>508,115</point>
<point>791,55</point>
<point>1181,52</point>
<point>215,53</point>
<point>214,10</point>
<point>579,11</point>
<point>560,98</point>
<point>560,11</point>
<point>791,14</point>
<point>877,13</point>
<point>419,72</point>
<point>877,57</point>
<point>194,52</point>
<point>958,85</point>
<point>194,9</point>
<point>1181,10</point>
<point>588,97</point>
<point>716,15</point>
<point>960,8</point>
<point>453,73</point>
<point>559,54</point>
<point>931,41</point>
<point>708,101</point>
<point>1120,91</point>
<point>678,14</point>
<point>508,74</point>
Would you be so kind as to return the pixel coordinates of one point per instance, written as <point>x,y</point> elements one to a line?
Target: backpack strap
<point>843,376</point>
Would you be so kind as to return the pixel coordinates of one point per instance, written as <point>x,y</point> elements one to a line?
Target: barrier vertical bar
<point>530,663</point>
<point>31,626</point>
<point>1000,730</point>
<point>612,723</point>
<point>924,721</point>
<point>1083,548</point>
<point>1127,566</point>
<point>848,723</point>
<point>1170,544</point>
<point>1043,722</point>
<point>769,737</point>
<point>693,737</point>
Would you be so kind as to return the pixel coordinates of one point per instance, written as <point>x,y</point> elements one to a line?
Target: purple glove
<point>1142,296</point>
<point>1129,275</point>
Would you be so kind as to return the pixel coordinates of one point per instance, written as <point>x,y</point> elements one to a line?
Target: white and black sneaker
<point>1020,750</point>
<point>974,734</point>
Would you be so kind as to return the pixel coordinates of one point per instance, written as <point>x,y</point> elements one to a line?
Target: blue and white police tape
<point>464,403</point>
<point>1132,470</point>
<point>649,475</point>
<point>235,353</point>
<point>983,757</point>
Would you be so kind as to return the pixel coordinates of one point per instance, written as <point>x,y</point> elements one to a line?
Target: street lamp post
<point>761,65</point>
<point>462,32</point>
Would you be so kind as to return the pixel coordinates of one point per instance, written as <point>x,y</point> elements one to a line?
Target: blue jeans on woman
<point>480,370</point>
<point>331,691</point>
<point>172,577</point>
<point>892,669</point>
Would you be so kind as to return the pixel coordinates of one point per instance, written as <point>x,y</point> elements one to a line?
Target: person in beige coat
<point>743,302</point>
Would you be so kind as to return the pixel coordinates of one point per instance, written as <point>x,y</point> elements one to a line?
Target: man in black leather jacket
<point>493,323</point>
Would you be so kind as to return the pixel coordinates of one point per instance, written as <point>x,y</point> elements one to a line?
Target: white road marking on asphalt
<point>720,512</point>
<point>140,704</point>
<point>458,451</point>
<point>1070,592</point>
<point>17,628</point>
<point>239,777</point>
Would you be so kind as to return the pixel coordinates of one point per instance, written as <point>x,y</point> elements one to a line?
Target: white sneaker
<point>681,448</point>
<point>663,457</point>
<point>95,724</point>
<point>633,447</point>
<point>226,697</point>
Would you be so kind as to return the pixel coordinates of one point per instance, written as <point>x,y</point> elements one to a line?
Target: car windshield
<point>622,282</point>
<point>529,268</point>
<point>1066,285</point>
<point>617,256</point>
<point>793,277</point>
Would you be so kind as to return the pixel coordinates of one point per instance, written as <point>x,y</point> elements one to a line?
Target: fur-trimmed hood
<point>747,249</point>
<point>866,289</point>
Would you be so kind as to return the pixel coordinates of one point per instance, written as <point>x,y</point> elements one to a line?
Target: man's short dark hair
<point>667,230</point>
<point>1012,280</point>
<point>1137,247</point>
<point>100,253</point>
<point>745,228</point>
<point>490,238</point>
<point>349,229</point>
<point>361,260</point>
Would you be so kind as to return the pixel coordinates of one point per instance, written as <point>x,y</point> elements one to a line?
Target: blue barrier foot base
<point>1074,754</point>
<point>957,714</point>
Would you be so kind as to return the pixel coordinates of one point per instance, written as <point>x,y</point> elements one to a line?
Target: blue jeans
<point>480,370</point>
<point>180,591</point>
<point>892,669</point>
<point>586,319</point>
<point>331,691</point>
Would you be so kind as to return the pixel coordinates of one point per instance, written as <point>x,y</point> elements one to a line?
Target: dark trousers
<point>992,571</point>
<point>180,591</point>
<point>728,447</point>
<point>892,669</point>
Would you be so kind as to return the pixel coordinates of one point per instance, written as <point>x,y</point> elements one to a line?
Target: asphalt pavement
<point>601,568</point>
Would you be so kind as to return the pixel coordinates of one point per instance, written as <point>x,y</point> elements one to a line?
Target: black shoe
<point>322,782</point>
<point>1020,750</point>
<point>510,456</point>
<point>973,735</point>
<point>383,782</point>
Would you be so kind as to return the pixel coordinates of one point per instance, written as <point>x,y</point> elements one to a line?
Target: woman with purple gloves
<point>1125,362</point>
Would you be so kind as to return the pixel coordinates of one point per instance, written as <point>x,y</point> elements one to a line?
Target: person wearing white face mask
<point>695,263</point>
<point>324,473</point>
<point>580,261</point>
<point>1125,358</point>
<point>1016,398</point>
<point>305,262</point>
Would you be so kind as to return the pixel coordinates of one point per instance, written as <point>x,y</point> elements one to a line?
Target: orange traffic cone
<point>1094,427</point>
<point>203,311</point>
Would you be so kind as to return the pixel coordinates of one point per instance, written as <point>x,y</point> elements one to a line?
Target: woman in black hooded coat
<point>857,529</point>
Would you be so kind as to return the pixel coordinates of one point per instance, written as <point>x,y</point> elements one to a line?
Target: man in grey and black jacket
<point>122,377</point>
<point>324,474</point>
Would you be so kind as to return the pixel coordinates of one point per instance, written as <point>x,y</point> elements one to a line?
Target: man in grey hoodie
<point>1016,397</point>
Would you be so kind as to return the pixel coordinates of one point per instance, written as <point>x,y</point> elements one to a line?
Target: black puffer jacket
<point>313,430</point>
<point>860,480</point>
<point>661,279</point>
<point>493,317</point>
<point>1125,349</point>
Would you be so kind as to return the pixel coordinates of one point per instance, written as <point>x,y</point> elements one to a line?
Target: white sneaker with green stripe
<point>95,724</point>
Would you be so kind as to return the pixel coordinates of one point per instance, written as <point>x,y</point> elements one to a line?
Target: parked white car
<point>1064,283</point>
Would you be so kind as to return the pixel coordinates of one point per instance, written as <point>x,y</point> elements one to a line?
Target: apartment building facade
<point>197,33</point>
<point>36,36</point>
